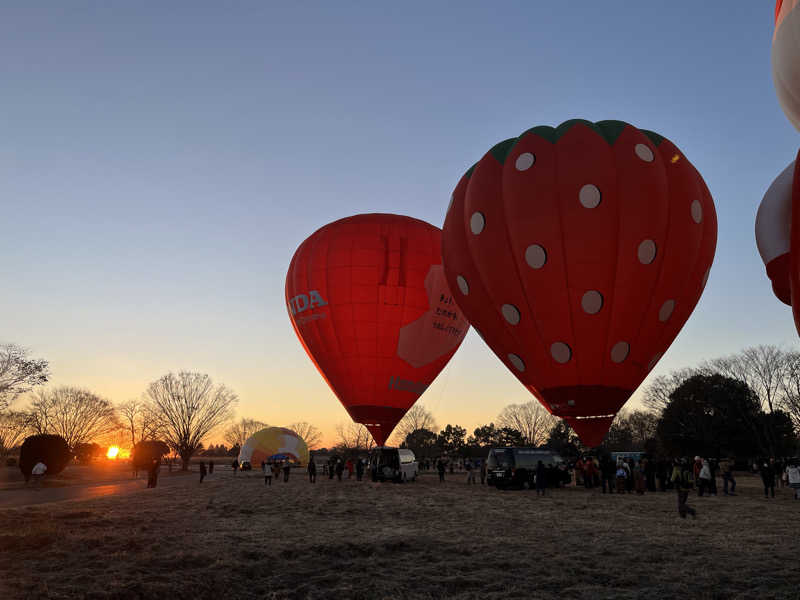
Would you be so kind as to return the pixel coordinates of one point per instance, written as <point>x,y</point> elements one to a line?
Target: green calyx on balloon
<point>608,130</point>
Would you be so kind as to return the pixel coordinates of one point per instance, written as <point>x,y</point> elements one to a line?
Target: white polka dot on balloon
<point>535,256</point>
<point>665,312</point>
<point>646,252</point>
<point>589,196</point>
<point>510,313</point>
<point>592,302</point>
<point>560,352</point>
<point>525,161</point>
<point>643,151</point>
<point>620,352</point>
<point>518,363</point>
<point>697,212</point>
<point>477,222</point>
<point>462,285</point>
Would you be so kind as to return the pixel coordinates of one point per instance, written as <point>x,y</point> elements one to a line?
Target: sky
<point>161,162</point>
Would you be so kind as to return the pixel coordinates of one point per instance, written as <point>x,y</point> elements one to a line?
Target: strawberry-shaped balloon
<point>369,301</point>
<point>578,252</point>
<point>778,237</point>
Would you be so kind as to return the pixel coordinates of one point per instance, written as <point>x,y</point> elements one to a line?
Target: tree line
<point>179,409</point>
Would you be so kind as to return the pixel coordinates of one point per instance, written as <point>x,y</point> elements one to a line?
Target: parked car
<point>393,464</point>
<point>516,467</point>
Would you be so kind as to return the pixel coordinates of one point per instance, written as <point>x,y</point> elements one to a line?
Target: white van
<point>393,464</point>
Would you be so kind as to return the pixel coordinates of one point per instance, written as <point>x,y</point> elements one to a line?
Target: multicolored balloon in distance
<point>369,301</point>
<point>786,58</point>
<point>578,252</point>
<point>274,443</point>
<point>778,237</point>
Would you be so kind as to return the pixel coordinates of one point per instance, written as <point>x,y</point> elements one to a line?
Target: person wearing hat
<point>793,477</point>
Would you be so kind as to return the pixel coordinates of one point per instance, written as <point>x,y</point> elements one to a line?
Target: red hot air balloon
<point>778,237</point>
<point>578,252</point>
<point>369,301</point>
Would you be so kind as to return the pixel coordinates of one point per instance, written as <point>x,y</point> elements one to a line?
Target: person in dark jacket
<point>202,471</point>
<point>768,476</point>
<point>235,465</point>
<point>339,469</point>
<point>210,467</point>
<point>331,467</point>
<point>541,479</point>
<point>682,480</point>
<point>483,471</point>
<point>286,469</point>
<point>607,473</point>
<point>312,470</point>
<point>152,473</point>
<point>440,468</point>
<point>359,469</point>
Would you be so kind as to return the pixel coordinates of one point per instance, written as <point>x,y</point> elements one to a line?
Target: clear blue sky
<point>160,163</point>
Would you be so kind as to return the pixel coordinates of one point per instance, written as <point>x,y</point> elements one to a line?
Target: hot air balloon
<point>274,443</point>
<point>778,238</point>
<point>578,252</point>
<point>786,58</point>
<point>369,301</point>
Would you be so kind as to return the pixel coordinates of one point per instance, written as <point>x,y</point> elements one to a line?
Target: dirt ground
<point>232,537</point>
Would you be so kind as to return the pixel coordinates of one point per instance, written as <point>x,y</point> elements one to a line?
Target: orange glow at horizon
<point>112,453</point>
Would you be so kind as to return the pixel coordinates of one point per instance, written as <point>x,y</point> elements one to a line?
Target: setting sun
<point>113,451</point>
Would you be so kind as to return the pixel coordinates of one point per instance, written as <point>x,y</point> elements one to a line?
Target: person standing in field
<point>266,468</point>
<point>152,473</point>
<point>359,469</point>
<point>312,470</point>
<point>286,469</point>
<point>607,474</point>
<point>440,469</point>
<point>793,478</point>
<point>579,471</point>
<point>541,479</point>
<point>235,465</point>
<point>38,471</point>
<point>470,471</point>
<point>350,467</point>
<point>483,471</point>
<point>210,467</point>
<point>768,477</point>
<point>621,476</point>
<point>726,466</point>
<point>639,480</point>
<point>704,480</point>
<point>681,478</point>
<point>202,471</point>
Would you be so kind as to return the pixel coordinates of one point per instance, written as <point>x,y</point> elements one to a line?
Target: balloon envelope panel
<point>369,301</point>
<point>578,252</point>
<point>786,58</point>
<point>267,443</point>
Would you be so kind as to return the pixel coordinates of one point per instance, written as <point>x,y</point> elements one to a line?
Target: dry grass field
<point>234,538</point>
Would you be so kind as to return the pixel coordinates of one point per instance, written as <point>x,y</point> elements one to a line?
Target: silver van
<point>393,464</point>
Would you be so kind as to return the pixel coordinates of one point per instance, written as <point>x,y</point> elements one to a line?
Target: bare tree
<point>790,387</point>
<point>14,425</point>
<point>190,407</point>
<point>760,367</point>
<point>310,434</point>
<point>77,415</point>
<point>139,420</point>
<point>19,373</point>
<point>656,395</point>
<point>237,434</point>
<point>530,419</point>
<point>354,437</point>
<point>417,417</point>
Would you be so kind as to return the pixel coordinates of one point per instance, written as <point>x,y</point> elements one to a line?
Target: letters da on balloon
<point>303,302</point>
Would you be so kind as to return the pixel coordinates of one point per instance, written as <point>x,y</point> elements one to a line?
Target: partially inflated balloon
<point>786,58</point>
<point>369,301</point>
<point>778,237</point>
<point>578,253</point>
<point>274,443</point>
